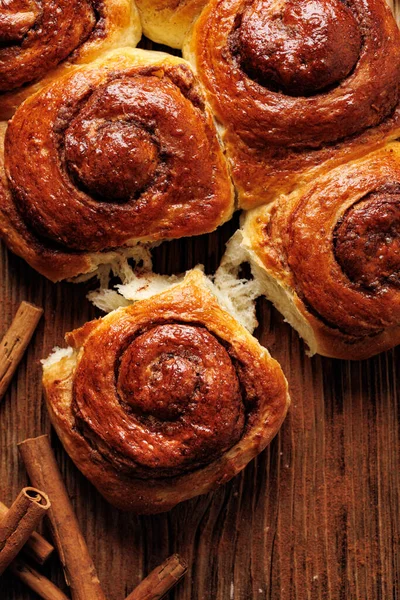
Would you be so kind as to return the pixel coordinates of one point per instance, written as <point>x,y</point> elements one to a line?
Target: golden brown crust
<point>330,257</point>
<point>165,399</point>
<point>168,21</point>
<point>260,176</point>
<point>41,41</point>
<point>125,151</point>
<point>294,90</point>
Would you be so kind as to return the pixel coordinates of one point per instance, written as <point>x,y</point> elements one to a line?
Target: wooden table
<point>316,516</point>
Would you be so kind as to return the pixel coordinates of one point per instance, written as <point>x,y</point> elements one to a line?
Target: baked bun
<point>41,40</point>
<point>165,399</point>
<point>168,21</point>
<point>117,152</point>
<point>297,86</point>
<point>328,256</point>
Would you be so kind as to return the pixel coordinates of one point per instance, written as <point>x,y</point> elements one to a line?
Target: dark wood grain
<point>316,516</point>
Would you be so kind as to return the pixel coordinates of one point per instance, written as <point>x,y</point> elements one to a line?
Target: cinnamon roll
<point>297,86</point>
<point>165,399</point>
<point>118,152</point>
<point>328,256</point>
<point>41,39</point>
<point>168,21</point>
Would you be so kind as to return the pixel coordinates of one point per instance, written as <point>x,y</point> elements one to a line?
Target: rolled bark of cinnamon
<point>19,523</point>
<point>37,582</point>
<point>36,547</point>
<point>160,580</point>
<point>79,569</point>
<point>16,340</point>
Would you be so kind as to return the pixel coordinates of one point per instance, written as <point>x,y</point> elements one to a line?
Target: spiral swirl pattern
<point>165,399</point>
<point>290,80</point>
<point>40,40</point>
<point>176,403</point>
<point>298,48</point>
<point>336,246</point>
<point>35,37</point>
<point>127,152</point>
<point>367,240</point>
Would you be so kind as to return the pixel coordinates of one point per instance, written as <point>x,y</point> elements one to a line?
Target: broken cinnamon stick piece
<point>37,582</point>
<point>36,547</point>
<point>43,471</point>
<point>160,580</point>
<point>19,523</point>
<point>16,340</point>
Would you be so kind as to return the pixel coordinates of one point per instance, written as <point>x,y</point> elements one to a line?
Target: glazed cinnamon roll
<point>328,256</point>
<point>41,39</point>
<point>164,399</point>
<point>168,21</point>
<point>121,151</point>
<point>297,85</point>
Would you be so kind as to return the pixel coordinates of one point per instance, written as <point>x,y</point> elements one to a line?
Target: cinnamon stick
<point>20,522</point>
<point>36,547</point>
<point>16,340</point>
<point>36,581</point>
<point>79,569</point>
<point>160,580</point>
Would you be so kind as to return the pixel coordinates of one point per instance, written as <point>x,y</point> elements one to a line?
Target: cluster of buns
<point>116,147</point>
<point>307,98</point>
<point>287,110</point>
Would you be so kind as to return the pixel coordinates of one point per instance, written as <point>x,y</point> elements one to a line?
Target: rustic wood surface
<point>316,516</point>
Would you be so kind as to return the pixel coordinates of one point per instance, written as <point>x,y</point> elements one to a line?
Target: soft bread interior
<point>282,296</point>
<point>237,295</point>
